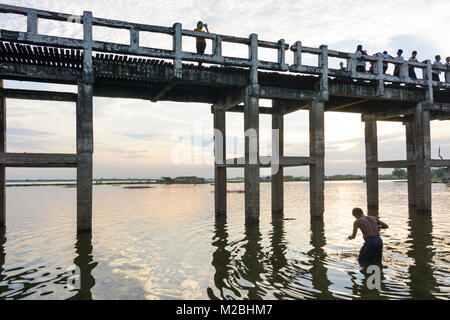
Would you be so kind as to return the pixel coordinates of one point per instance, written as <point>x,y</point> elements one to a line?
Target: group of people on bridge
<point>361,64</point>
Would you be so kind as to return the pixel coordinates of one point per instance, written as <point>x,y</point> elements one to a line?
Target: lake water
<point>166,243</point>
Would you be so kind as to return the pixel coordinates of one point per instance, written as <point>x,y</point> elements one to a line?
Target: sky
<point>136,138</point>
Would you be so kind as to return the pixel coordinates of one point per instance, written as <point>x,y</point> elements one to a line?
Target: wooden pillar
<point>220,171</point>
<point>317,154</point>
<point>252,167</point>
<point>2,149</point>
<point>85,143</point>
<point>423,159</point>
<point>410,154</point>
<point>277,154</point>
<point>251,127</point>
<point>84,151</point>
<point>371,164</point>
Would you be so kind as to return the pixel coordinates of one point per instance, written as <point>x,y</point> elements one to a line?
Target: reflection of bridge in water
<point>107,69</point>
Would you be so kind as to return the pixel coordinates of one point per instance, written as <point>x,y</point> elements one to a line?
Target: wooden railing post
<point>253,56</point>
<point>404,71</point>
<point>351,65</point>
<point>177,48</point>
<point>282,55</point>
<point>134,39</point>
<point>297,55</point>
<point>217,49</point>
<point>428,75</point>
<point>380,74</point>
<point>32,22</point>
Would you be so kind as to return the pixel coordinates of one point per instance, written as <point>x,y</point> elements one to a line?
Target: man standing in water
<point>372,251</point>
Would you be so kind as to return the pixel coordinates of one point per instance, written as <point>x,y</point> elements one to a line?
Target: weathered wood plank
<point>40,95</point>
<point>38,160</point>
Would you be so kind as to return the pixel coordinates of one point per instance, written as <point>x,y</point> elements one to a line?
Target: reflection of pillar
<point>318,256</point>
<point>252,167</point>
<point>85,262</point>
<point>371,163</point>
<point>220,171</point>
<point>317,154</point>
<point>252,260</point>
<point>278,259</point>
<point>277,153</point>
<point>2,149</point>
<point>410,154</point>
<point>221,258</point>
<point>422,281</point>
<point>423,159</point>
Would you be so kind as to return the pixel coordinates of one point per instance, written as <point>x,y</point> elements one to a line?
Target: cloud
<point>26,132</point>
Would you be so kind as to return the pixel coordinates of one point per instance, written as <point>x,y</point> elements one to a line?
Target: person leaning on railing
<point>201,42</point>
<point>412,73</point>
<point>386,55</point>
<point>397,67</point>
<point>437,63</point>
<point>360,63</point>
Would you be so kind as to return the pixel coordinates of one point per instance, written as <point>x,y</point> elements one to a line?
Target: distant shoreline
<point>143,183</point>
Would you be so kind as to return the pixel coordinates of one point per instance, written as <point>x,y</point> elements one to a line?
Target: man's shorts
<point>372,251</point>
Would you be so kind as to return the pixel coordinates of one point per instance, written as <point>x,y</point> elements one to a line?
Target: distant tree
<point>438,173</point>
<point>399,173</point>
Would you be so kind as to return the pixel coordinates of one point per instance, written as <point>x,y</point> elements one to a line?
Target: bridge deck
<point>124,76</point>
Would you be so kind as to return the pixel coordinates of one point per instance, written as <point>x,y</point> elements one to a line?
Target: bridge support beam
<point>371,141</point>
<point>423,159</point>
<point>317,154</point>
<point>220,171</point>
<point>2,149</point>
<point>410,154</point>
<point>84,151</point>
<point>252,165</point>
<point>85,132</point>
<point>277,153</point>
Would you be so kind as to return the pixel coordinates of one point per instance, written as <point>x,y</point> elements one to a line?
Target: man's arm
<point>382,225</point>
<point>207,30</point>
<point>355,231</point>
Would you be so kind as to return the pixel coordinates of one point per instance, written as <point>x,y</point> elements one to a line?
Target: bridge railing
<point>177,54</point>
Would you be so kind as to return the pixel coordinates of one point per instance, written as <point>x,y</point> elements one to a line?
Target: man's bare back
<point>368,225</point>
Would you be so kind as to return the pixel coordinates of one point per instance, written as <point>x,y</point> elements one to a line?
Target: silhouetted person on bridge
<point>437,63</point>
<point>397,67</point>
<point>360,63</point>
<point>372,251</point>
<point>201,42</point>
<point>386,55</point>
<point>412,73</point>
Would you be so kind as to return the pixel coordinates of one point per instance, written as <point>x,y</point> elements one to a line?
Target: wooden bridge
<point>229,84</point>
